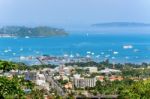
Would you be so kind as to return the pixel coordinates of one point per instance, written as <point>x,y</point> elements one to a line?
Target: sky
<point>72,12</point>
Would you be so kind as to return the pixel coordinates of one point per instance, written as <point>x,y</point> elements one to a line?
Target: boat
<point>88,52</point>
<point>14,54</point>
<point>65,55</point>
<point>115,52</point>
<point>22,58</point>
<point>27,37</point>
<point>6,51</point>
<point>127,46</point>
<point>71,56</point>
<point>92,53</point>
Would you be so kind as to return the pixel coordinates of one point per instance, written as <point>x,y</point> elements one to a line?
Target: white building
<point>92,69</point>
<point>90,82</point>
<point>40,79</point>
<point>84,82</point>
<point>109,71</point>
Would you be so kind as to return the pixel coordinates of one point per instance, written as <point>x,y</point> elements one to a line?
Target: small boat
<point>127,46</point>
<point>14,54</point>
<point>115,52</point>
<point>88,52</point>
<point>71,56</point>
<point>22,58</point>
<point>92,53</point>
<point>6,51</point>
<point>65,55</point>
<point>27,37</point>
<point>88,56</point>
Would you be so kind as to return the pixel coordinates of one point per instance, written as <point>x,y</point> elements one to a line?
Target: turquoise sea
<point>133,48</point>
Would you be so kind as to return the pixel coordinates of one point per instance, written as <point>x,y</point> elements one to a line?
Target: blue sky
<point>72,12</point>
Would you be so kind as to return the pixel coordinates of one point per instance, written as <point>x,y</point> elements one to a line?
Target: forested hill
<point>22,31</point>
<point>121,24</point>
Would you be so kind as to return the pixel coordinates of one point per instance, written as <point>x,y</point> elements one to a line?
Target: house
<point>100,78</point>
<point>68,85</point>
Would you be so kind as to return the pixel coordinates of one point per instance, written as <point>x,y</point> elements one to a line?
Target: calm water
<point>102,46</point>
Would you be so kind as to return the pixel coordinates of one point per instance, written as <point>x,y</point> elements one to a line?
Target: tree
<point>10,87</point>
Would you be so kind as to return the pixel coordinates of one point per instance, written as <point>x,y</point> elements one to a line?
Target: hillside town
<point>72,80</point>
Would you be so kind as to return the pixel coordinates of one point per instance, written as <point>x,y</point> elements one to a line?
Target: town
<point>77,80</point>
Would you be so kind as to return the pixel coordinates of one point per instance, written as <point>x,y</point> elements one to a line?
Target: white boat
<point>127,46</point>
<point>6,51</point>
<point>65,55</point>
<point>27,37</point>
<point>71,56</point>
<point>88,56</point>
<point>88,52</point>
<point>14,54</point>
<point>22,58</point>
<point>115,52</point>
<point>92,53</point>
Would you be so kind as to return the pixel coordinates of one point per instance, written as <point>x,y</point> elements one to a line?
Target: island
<point>121,24</point>
<point>22,31</point>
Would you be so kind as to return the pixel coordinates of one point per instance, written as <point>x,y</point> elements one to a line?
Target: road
<point>55,85</point>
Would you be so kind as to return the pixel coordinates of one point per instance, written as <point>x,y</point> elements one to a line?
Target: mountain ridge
<point>121,24</point>
<point>40,31</point>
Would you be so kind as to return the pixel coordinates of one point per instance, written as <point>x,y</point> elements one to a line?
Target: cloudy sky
<point>72,12</point>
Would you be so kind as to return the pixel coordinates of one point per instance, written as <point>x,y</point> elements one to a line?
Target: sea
<point>119,48</point>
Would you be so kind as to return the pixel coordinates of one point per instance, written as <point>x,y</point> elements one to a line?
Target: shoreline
<point>37,60</point>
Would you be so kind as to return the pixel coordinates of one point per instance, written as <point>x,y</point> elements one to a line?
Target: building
<point>100,78</point>
<point>84,82</point>
<point>109,71</point>
<point>91,69</point>
<point>79,82</point>
<point>68,85</point>
<point>41,82</point>
<point>113,78</point>
<point>90,82</point>
<point>40,79</point>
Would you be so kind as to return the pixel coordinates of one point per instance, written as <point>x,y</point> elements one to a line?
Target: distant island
<point>121,24</point>
<point>22,31</point>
